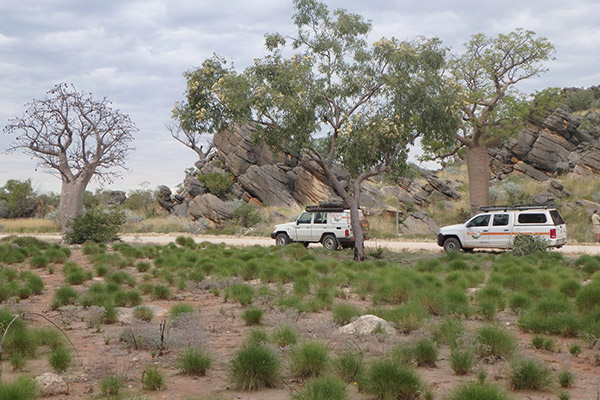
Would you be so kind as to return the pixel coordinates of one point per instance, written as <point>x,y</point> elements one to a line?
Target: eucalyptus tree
<point>75,137</point>
<point>492,109</point>
<point>328,94</point>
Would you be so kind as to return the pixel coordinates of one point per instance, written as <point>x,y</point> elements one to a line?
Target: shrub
<point>34,282</point>
<point>60,359</point>
<point>179,309</point>
<point>343,313</point>
<point>285,336</point>
<point>152,378</point>
<point>240,293</point>
<point>216,183</point>
<point>142,266</point>
<point>588,297</point>
<point>22,388</point>
<point>255,367</point>
<point>495,342</point>
<point>252,315</point>
<point>478,391</point>
<point>565,379</point>
<point>461,361</point>
<point>247,215</point>
<point>575,349</point>
<point>63,296</point>
<point>144,313</point>
<point>349,366</point>
<point>194,361</point>
<point>39,261</point>
<point>390,380</point>
<point>111,385</point>
<point>425,353</point>
<point>529,244</point>
<point>323,388</point>
<point>161,292</point>
<point>529,374</point>
<point>309,360</point>
<point>95,225</point>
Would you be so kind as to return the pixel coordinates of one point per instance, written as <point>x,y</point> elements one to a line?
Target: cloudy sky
<point>134,53</point>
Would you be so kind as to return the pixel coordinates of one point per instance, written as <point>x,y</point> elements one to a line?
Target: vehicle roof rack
<point>321,209</point>
<point>517,207</point>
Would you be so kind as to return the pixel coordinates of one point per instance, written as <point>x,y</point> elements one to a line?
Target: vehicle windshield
<point>304,218</point>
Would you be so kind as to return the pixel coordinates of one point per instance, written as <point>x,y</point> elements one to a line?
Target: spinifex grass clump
<point>23,388</point>
<point>349,366</point>
<point>425,353</point>
<point>343,313</point>
<point>309,360</point>
<point>179,309</point>
<point>389,380</point>
<point>143,313</point>
<point>19,339</point>
<point>565,378</point>
<point>257,336</point>
<point>323,388</point>
<point>240,293</point>
<point>495,342</point>
<point>552,314</point>
<point>529,374</point>
<point>448,331</point>
<point>60,359</point>
<point>74,274</point>
<point>194,361</point>
<point>63,296</point>
<point>252,315</point>
<point>254,367</point>
<point>478,391</point>
<point>111,385</point>
<point>284,336</point>
<point>461,360</point>
<point>153,378</point>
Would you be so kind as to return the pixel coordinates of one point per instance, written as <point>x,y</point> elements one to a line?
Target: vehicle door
<point>476,231</point>
<point>500,230</point>
<point>303,227</point>
<point>319,226</point>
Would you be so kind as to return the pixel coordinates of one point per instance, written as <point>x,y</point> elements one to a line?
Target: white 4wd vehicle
<point>329,226</point>
<point>498,226</point>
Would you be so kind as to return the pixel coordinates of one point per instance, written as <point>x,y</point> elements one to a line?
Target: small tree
<point>21,200</point>
<point>491,108</point>
<point>75,137</point>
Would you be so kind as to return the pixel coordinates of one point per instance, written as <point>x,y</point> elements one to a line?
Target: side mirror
<point>297,222</point>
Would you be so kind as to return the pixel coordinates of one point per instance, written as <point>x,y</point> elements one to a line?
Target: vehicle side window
<point>556,218</point>
<point>480,220</point>
<point>304,218</point>
<point>531,218</point>
<point>320,218</point>
<point>500,220</point>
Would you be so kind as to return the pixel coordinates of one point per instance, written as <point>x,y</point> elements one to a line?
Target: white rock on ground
<point>366,324</point>
<point>51,384</point>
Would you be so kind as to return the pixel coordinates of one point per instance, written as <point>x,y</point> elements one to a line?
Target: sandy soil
<point>218,328</point>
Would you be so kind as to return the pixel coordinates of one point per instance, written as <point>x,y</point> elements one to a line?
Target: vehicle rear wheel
<point>282,239</point>
<point>451,244</point>
<point>330,242</point>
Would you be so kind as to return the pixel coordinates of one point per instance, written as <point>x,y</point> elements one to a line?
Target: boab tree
<point>75,137</point>
<point>492,109</point>
<point>337,99</point>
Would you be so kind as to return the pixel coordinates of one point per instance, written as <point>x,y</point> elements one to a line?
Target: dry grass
<point>28,225</point>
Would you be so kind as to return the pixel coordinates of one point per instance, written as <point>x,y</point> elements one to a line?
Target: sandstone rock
<point>51,384</point>
<point>418,223</point>
<point>193,186</point>
<point>116,197</point>
<point>548,150</point>
<point>545,198</point>
<point>530,171</point>
<point>309,188</point>
<point>588,164</point>
<point>366,324</point>
<point>563,122</point>
<point>180,210</point>
<point>164,198</point>
<point>268,184</point>
<point>210,207</point>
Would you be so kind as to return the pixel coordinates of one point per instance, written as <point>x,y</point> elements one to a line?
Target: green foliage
<point>23,388</point>
<point>495,342</point>
<point>309,360</point>
<point>142,201</point>
<point>565,378</point>
<point>18,199</point>
<point>95,225</point>
<point>161,292</point>
<point>580,99</point>
<point>144,313</point>
<point>284,336</point>
<point>575,349</point>
<point>349,366</point>
<point>63,296</point>
<point>180,308</point>
<point>17,361</point>
<point>529,244</point>
<point>111,385</point>
<point>425,353</point>
<point>390,380</point>
<point>247,215</point>
<point>216,183</point>
<point>461,360</point>
<point>343,313</point>
<point>478,391</point>
<point>153,378</point>
<point>60,359</point>
<point>194,361</point>
<point>254,367</point>
<point>588,297</point>
<point>323,388</point>
<point>529,374</point>
<point>252,315</point>
<point>257,336</point>
<point>240,293</point>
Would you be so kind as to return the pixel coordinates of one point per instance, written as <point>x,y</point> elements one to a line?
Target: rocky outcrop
<point>269,184</point>
<point>116,197</point>
<point>417,223</point>
<point>210,207</point>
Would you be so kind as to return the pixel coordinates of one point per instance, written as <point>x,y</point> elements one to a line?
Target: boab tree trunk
<point>478,169</point>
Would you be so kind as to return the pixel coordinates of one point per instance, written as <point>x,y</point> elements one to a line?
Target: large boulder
<point>366,324</point>
<point>164,197</point>
<point>210,207</point>
<point>268,183</point>
<point>116,197</point>
<point>418,223</point>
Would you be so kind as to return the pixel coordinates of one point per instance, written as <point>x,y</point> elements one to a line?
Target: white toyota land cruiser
<point>498,226</point>
<point>329,226</point>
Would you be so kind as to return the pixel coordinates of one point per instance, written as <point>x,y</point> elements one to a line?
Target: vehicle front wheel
<point>282,239</point>
<point>451,244</point>
<point>330,242</point>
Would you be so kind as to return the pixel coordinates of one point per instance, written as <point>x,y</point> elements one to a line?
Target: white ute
<point>329,226</point>
<point>498,226</point>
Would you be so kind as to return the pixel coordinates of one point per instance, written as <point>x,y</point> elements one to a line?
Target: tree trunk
<point>359,238</point>
<point>478,168</point>
<point>71,201</point>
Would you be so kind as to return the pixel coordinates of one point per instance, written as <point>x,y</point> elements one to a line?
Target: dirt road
<point>393,245</point>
